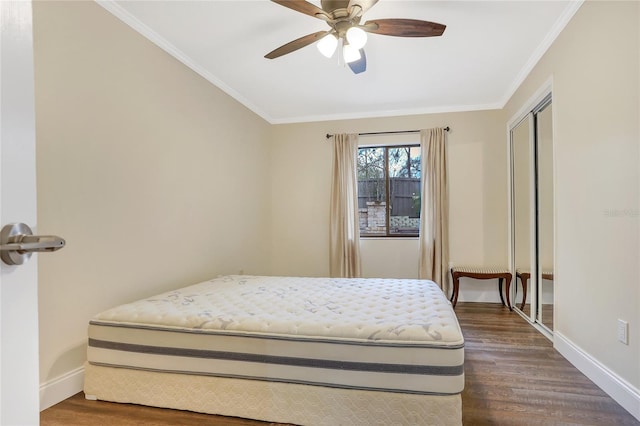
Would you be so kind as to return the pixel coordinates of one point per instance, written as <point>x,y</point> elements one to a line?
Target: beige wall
<point>155,177</point>
<point>596,114</point>
<point>301,171</point>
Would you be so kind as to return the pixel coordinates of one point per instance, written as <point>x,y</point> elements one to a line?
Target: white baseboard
<point>61,388</point>
<point>619,389</point>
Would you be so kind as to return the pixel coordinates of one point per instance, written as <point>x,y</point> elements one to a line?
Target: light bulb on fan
<point>350,53</point>
<point>327,45</point>
<point>356,37</point>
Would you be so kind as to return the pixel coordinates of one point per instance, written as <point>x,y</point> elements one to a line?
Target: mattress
<point>377,335</point>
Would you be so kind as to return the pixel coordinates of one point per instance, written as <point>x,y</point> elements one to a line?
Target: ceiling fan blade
<point>360,65</point>
<point>404,27</point>
<point>303,7</point>
<point>296,44</point>
<point>363,4</point>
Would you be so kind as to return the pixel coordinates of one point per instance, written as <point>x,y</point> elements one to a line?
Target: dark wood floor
<point>547,314</point>
<point>513,377</point>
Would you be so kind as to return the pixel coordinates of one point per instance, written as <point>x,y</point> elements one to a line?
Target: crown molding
<point>542,48</point>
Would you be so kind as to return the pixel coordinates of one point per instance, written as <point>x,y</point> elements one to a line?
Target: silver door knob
<point>17,242</point>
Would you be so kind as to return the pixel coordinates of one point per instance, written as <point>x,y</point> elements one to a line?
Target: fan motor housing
<point>331,5</point>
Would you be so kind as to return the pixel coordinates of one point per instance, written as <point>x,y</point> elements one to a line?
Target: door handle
<point>17,242</point>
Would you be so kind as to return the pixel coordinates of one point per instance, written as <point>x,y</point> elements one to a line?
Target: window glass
<point>389,190</point>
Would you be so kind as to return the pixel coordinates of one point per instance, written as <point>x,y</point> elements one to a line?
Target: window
<point>389,190</point>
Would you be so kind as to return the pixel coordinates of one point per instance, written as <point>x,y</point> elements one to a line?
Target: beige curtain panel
<point>434,217</point>
<point>345,230</point>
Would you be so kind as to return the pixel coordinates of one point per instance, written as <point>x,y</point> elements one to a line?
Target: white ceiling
<point>486,51</point>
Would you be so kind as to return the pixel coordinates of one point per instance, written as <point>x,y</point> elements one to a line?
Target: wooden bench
<point>480,273</point>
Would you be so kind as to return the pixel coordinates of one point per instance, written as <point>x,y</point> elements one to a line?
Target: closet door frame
<point>536,103</point>
<point>540,107</point>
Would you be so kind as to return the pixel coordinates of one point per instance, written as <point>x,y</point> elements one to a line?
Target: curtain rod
<point>446,129</point>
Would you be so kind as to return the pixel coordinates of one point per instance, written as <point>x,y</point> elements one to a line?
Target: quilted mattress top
<point>385,311</point>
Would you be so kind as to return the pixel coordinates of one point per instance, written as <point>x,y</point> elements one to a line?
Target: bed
<point>312,351</point>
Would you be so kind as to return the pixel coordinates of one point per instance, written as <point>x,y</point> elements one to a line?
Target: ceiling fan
<point>343,16</point>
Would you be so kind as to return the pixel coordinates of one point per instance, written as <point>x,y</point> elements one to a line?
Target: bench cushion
<point>480,270</point>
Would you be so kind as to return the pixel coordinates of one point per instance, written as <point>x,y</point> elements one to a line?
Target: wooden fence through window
<point>404,194</point>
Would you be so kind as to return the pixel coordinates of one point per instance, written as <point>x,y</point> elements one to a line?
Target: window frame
<point>386,147</point>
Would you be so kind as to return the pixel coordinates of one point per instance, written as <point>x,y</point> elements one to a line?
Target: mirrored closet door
<point>521,205</point>
<point>532,234</point>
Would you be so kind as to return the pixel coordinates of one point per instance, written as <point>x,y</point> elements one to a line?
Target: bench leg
<point>456,285</point>
<point>500,289</point>
<point>524,292</point>
<point>507,292</point>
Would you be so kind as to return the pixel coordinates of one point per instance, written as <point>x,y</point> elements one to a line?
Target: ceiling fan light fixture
<point>327,45</point>
<point>345,31</point>
<point>350,53</point>
<point>356,37</point>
